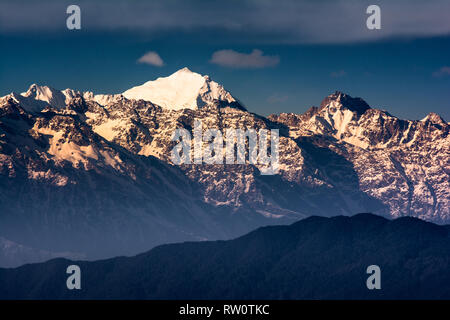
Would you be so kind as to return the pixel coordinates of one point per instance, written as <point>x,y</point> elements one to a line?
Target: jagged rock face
<point>297,191</point>
<point>404,164</point>
<point>324,156</point>
<point>64,188</point>
<point>95,176</point>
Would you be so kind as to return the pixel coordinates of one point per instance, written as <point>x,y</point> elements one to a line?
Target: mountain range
<point>315,258</point>
<point>91,175</point>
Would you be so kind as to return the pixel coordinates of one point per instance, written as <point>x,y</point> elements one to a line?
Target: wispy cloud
<point>277,98</point>
<point>444,71</point>
<point>151,58</point>
<point>283,21</point>
<point>338,74</point>
<point>234,59</point>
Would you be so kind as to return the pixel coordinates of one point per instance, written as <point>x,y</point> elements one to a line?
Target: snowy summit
<point>183,89</point>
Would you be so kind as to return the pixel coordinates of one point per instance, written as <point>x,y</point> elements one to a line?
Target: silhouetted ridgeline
<point>316,258</point>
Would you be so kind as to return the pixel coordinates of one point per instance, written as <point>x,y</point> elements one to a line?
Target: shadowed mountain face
<point>357,105</point>
<point>316,258</point>
<point>92,175</point>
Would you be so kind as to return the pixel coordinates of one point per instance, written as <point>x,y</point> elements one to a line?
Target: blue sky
<point>306,50</point>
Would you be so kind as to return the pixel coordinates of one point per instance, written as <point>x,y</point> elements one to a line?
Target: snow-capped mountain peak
<point>53,97</point>
<point>342,100</point>
<point>434,118</point>
<point>183,89</point>
<point>338,115</point>
<point>184,70</point>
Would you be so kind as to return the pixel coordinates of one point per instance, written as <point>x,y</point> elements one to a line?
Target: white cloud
<point>234,59</point>
<point>151,58</point>
<point>444,71</point>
